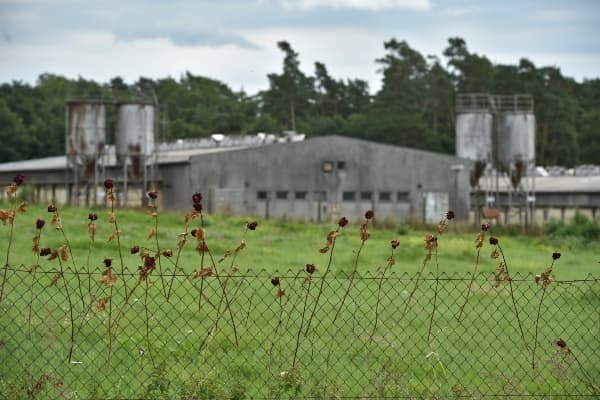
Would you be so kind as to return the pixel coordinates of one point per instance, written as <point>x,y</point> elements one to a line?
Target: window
<point>403,197</point>
<point>327,166</point>
<point>261,195</point>
<point>281,194</point>
<point>348,196</point>
<point>385,196</point>
<point>301,195</point>
<point>341,165</point>
<point>366,195</point>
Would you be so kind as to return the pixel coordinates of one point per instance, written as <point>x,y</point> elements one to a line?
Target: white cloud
<point>371,5</point>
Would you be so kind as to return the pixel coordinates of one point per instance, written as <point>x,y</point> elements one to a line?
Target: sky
<point>235,41</point>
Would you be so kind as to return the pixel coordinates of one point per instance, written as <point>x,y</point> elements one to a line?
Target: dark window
<point>366,195</point>
<point>341,165</point>
<point>261,195</point>
<point>403,197</point>
<point>301,195</point>
<point>385,196</point>
<point>348,196</point>
<point>327,166</point>
<point>281,194</point>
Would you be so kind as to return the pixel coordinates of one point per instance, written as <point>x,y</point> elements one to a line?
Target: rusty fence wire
<point>248,336</point>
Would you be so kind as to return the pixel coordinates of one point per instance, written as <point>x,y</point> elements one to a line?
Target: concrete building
<point>320,178</point>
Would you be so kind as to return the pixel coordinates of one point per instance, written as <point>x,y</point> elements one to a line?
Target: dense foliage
<point>414,107</point>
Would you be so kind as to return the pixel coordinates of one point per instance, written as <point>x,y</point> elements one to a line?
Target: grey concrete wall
<point>291,167</point>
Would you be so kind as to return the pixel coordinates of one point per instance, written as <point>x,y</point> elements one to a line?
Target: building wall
<point>288,180</point>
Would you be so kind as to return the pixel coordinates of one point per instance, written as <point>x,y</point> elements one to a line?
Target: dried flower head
<point>198,207</point>
<point>555,255</point>
<point>19,179</point>
<point>275,281</point>
<point>135,249</point>
<point>450,215</point>
<point>45,251</point>
<point>493,240</point>
<point>485,226</point>
<point>252,225</point>
<point>167,253</point>
<point>152,195</point>
<point>561,343</point>
<point>343,222</point>
<point>310,268</point>
<point>395,243</point>
<point>196,197</point>
<point>107,262</point>
<point>430,242</point>
<point>149,262</point>
<point>369,214</point>
<point>52,208</point>
<point>39,224</point>
<point>193,232</point>
<point>108,183</point>
<point>92,216</point>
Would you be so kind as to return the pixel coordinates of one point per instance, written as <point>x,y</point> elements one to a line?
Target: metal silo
<point>85,141</point>
<point>86,129</point>
<point>516,139</point>
<point>135,130</point>
<point>474,135</point>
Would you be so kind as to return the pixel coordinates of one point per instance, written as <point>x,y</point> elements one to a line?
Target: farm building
<point>319,178</point>
<point>315,179</point>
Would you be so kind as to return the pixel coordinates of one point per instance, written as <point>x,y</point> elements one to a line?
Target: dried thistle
<point>64,254</point>
<point>101,305</point>
<point>203,273</point>
<point>108,279</point>
<point>7,216</point>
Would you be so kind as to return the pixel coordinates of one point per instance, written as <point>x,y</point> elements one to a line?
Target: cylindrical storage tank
<point>474,136</point>
<point>135,130</point>
<point>516,138</point>
<point>86,129</point>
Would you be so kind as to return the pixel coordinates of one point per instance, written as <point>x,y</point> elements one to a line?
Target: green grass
<point>481,355</point>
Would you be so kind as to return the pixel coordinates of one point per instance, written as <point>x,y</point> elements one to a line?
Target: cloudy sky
<point>234,41</point>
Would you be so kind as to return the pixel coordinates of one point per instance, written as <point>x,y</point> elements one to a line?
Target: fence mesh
<point>232,336</point>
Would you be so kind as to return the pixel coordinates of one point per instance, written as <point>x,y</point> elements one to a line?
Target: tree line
<point>414,107</point>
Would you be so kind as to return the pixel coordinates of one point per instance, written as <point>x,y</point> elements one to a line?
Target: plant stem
<point>10,239</point>
<point>388,266</point>
<point>362,244</point>
<point>72,345</point>
<point>162,281</point>
<point>110,325</point>
<point>425,261</point>
<point>301,323</point>
<point>179,249</point>
<point>435,293</point>
<point>33,282</point>
<point>537,320</point>
<point>112,210</point>
<point>147,323</point>
<point>470,284</point>
<point>512,296</point>
<point>322,283</point>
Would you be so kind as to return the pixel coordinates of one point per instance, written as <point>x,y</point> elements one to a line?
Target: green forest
<point>414,107</point>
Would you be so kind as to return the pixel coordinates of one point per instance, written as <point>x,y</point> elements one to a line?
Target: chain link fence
<point>242,336</point>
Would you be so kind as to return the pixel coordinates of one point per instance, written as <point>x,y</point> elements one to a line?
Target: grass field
<point>174,349</point>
